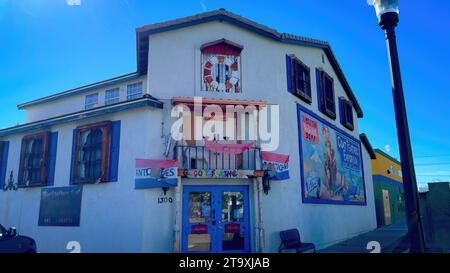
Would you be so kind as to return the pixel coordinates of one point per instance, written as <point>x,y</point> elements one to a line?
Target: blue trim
<point>80,90</point>
<point>302,181</point>
<point>82,115</point>
<point>72,158</point>
<point>114,151</point>
<point>215,190</point>
<point>378,178</point>
<point>53,146</point>
<point>319,91</point>
<point>289,74</point>
<point>4,163</point>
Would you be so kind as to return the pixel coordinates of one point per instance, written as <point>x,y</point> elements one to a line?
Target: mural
<point>332,170</point>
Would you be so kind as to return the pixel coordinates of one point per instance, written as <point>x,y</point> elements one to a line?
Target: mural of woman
<point>330,162</point>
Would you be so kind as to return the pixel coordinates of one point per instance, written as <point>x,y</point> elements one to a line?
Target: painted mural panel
<point>331,163</point>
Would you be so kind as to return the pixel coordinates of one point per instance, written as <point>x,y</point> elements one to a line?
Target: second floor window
<point>299,79</point>
<point>346,114</point>
<point>33,160</point>
<point>112,96</point>
<point>91,162</point>
<point>134,91</point>
<point>91,101</point>
<point>327,103</point>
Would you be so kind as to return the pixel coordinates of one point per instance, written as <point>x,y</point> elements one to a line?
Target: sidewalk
<point>388,237</point>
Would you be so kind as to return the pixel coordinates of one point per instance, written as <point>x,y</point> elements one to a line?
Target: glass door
<point>215,219</point>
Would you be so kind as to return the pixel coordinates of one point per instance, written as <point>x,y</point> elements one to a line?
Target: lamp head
<point>384,6</point>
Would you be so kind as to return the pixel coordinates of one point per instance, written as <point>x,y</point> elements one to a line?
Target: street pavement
<point>390,238</point>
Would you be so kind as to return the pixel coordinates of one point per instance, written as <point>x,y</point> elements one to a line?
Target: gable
<point>143,34</point>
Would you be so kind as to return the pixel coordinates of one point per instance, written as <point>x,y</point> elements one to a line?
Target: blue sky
<point>48,46</point>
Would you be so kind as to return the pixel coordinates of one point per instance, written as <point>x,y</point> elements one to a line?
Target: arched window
<point>221,67</point>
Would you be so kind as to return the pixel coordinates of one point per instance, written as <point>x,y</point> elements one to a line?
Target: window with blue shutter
<point>325,91</point>
<point>289,74</point>
<point>52,150</point>
<point>114,154</point>
<point>299,78</point>
<point>95,153</point>
<point>4,150</point>
<point>346,113</point>
<point>33,168</point>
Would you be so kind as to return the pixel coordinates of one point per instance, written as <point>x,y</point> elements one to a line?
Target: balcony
<point>197,161</point>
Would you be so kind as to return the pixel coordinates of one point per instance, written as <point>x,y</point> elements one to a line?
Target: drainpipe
<point>177,226</point>
<point>262,239</point>
<point>256,209</point>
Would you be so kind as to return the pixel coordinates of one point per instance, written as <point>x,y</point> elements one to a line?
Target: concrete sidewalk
<point>388,237</point>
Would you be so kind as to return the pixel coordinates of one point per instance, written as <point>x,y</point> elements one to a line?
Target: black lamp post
<point>387,12</point>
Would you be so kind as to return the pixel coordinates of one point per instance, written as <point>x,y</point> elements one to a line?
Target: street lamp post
<point>387,12</point>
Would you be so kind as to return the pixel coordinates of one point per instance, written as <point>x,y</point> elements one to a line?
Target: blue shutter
<point>53,146</point>
<point>114,152</point>
<point>289,74</point>
<point>341,110</point>
<point>4,163</point>
<point>319,95</point>
<point>74,142</point>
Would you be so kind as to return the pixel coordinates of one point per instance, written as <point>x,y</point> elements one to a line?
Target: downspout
<point>256,209</point>
<point>177,226</point>
<point>261,233</point>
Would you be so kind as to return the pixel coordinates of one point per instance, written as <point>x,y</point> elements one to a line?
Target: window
<point>92,150</point>
<point>134,91</point>
<point>91,101</point>
<point>326,95</point>
<point>221,67</point>
<point>112,96</point>
<point>346,111</point>
<point>33,160</point>
<point>301,80</point>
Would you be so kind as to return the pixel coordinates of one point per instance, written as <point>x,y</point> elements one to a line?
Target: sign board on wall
<point>151,174</point>
<point>220,174</point>
<point>331,162</point>
<point>60,206</point>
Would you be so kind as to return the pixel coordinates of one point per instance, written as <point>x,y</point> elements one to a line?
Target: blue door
<point>215,219</point>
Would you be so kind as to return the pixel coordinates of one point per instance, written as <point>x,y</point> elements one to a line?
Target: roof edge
<point>369,148</point>
<point>78,90</point>
<point>388,156</point>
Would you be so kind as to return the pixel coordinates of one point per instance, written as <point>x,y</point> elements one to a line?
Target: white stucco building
<point>89,138</point>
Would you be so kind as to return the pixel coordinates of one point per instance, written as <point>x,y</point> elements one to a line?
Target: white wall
<point>175,69</point>
<point>114,216</point>
<point>76,103</point>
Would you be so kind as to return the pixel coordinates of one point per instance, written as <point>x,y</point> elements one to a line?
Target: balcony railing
<point>200,158</point>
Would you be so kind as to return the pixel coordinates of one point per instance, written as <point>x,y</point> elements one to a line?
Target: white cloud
<point>73,2</point>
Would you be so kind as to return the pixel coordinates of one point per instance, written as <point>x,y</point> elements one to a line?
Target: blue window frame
<point>299,78</point>
<point>91,101</point>
<point>134,91</point>
<point>112,96</point>
<point>325,89</point>
<point>346,113</point>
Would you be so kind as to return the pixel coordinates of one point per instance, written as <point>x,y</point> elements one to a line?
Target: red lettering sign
<point>310,131</point>
<point>232,228</point>
<point>199,229</point>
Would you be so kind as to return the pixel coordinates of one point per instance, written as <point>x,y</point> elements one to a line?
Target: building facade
<point>388,189</point>
<point>78,159</point>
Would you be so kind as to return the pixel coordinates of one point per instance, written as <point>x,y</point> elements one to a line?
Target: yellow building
<point>388,189</point>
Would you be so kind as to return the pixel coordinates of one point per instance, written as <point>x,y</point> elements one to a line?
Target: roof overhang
<point>368,146</point>
<point>121,106</point>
